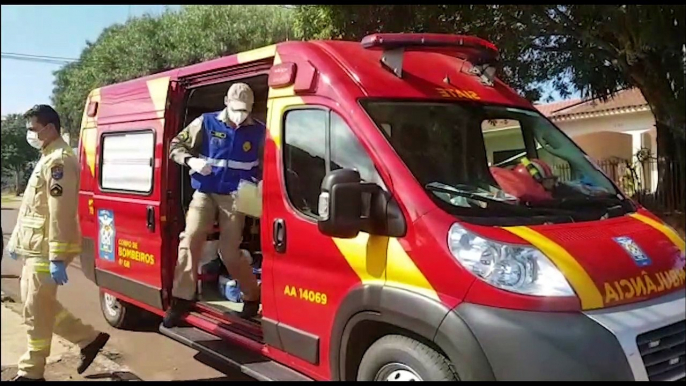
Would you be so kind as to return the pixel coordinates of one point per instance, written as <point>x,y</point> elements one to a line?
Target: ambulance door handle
<point>279,235</point>
<point>151,218</point>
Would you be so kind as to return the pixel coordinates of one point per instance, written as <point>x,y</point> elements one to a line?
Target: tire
<point>120,314</point>
<point>399,358</point>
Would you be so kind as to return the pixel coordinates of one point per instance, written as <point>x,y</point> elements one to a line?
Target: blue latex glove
<point>58,272</point>
<point>13,255</point>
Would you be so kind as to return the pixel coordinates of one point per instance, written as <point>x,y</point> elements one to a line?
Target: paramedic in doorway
<point>221,149</point>
<point>47,238</point>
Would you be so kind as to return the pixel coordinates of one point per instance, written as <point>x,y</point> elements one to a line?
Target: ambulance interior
<point>216,289</point>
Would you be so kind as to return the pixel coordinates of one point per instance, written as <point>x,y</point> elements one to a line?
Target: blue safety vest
<point>232,153</point>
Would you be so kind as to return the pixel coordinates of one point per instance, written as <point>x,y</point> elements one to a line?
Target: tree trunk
<point>671,168</point>
<point>17,181</point>
<point>667,107</point>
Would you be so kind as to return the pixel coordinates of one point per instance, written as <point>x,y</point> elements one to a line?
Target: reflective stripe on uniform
<point>222,163</point>
<point>62,314</point>
<point>55,247</point>
<point>39,344</point>
<point>41,266</point>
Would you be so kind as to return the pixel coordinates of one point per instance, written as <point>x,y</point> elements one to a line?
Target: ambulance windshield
<point>473,155</point>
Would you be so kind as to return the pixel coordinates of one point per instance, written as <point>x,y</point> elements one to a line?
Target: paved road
<point>149,355</point>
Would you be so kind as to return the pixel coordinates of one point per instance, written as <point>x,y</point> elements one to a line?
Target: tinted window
<point>304,157</point>
<point>348,153</point>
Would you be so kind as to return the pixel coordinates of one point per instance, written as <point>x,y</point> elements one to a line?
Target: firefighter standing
<point>221,149</point>
<point>47,237</point>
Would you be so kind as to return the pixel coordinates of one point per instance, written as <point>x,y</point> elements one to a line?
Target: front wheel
<point>399,358</point>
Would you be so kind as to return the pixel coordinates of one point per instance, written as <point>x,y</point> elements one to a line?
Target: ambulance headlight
<point>515,268</point>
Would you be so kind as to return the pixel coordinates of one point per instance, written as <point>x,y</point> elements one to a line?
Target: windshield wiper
<point>477,197</point>
<point>517,209</point>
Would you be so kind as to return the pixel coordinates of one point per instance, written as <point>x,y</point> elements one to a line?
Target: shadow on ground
<point>114,376</point>
<point>232,374</point>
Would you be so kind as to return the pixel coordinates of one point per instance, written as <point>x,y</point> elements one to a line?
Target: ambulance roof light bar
<point>473,49</point>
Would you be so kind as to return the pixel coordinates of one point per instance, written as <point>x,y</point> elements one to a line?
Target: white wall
<point>599,136</point>
<point>620,123</point>
<point>603,145</point>
<point>503,140</point>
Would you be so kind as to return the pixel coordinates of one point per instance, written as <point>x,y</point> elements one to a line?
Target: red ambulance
<point>414,224</point>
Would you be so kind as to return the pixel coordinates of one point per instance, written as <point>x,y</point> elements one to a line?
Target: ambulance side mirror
<point>340,204</point>
<point>348,206</point>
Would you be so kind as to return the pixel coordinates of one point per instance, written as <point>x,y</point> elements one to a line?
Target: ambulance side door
<point>130,195</point>
<point>308,273</point>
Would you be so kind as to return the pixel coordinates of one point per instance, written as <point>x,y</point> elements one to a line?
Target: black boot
<point>89,352</point>
<point>179,307</point>
<point>19,378</point>
<point>250,309</point>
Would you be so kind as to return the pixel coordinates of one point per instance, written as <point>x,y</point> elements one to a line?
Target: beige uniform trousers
<point>43,315</point>
<point>200,218</point>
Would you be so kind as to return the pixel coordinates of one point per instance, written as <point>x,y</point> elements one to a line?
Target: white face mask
<point>237,117</point>
<point>33,140</point>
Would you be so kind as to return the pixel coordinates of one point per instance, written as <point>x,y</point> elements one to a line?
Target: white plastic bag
<point>249,198</point>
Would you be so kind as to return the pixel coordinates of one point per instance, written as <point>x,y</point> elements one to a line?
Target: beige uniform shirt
<point>48,223</point>
<point>188,142</point>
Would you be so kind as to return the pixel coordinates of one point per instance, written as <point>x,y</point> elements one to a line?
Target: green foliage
<point>597,49</point>
<point>147,45</point>
<point>17,154</point>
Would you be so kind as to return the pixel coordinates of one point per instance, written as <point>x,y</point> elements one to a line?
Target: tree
<point>597,49</point>
<point>17,154</point>
<point>147,45</point>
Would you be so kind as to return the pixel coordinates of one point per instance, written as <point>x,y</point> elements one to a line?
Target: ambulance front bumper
<point>652,335</point>
<point>643,341</point>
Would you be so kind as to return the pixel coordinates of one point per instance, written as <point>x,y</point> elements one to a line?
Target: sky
<point>50,30</point>
<point>57,31</point>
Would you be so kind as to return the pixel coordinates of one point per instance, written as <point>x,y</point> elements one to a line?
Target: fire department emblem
<point>636,253</point>
<point>106,234</point>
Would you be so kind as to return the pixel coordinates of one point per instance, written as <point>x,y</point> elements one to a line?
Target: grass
<point>10,198</point>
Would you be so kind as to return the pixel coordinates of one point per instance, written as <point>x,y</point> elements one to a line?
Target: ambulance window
<point>127,161</point>
<point>347,152</point>
<point>305,157</point>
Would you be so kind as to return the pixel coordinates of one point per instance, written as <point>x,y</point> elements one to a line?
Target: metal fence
<point>639,180</point>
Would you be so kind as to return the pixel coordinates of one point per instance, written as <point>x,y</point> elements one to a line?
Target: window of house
<point>307,161</point>
<point>128,160</point>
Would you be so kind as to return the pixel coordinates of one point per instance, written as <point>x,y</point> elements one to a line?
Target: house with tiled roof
<point>616,128</point>
<point>610,131</point>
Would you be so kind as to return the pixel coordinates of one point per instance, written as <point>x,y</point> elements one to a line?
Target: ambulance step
<point>251,364</point>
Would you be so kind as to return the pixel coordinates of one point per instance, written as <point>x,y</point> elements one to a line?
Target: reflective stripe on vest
<point>222,163</point>
<point>232,154</point>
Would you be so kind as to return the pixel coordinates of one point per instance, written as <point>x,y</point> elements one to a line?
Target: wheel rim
<point>111,305</point>
<point>397,372</point>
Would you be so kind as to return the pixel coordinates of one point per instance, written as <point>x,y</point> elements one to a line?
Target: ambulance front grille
<point>664,352</point>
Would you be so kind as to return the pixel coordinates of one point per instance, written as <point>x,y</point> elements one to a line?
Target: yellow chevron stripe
<point>578,278</point>
<point>257,54</point>
<point>664,229</point>
<point>402,272</point>
<point>382,260</point>
<point>89,130</point>
<point>158,88</point>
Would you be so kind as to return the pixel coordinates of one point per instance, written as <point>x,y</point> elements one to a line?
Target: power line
<point>38,58</point>
<point>34,60</point>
